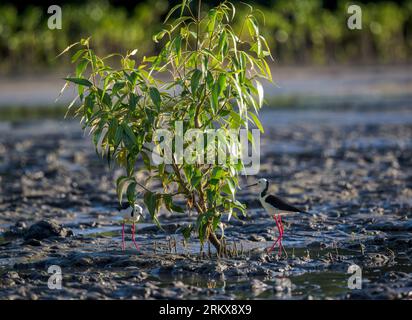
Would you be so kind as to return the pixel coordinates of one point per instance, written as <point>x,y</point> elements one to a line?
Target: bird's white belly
<point>269,209</point>
<point>127,218</point>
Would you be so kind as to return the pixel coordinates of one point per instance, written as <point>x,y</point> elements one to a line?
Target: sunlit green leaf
<point>155,96</point>
<point>194,83</point>
<point>80,81</point>
<point>257,122</point>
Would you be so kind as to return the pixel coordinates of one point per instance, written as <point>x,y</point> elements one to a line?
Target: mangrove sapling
<point>206,76</point>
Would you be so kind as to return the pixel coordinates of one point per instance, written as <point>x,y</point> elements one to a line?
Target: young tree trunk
<point>201,208</point>
<point>216,243</point>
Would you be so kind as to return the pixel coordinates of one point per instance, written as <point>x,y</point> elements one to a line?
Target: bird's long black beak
<point>251,185</point>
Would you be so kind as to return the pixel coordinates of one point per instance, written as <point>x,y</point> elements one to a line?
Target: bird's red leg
<point>133,231</point>
<point>123,242</point>
<point>280,221</point>
<point>278,238</point>
<point>281,245</point>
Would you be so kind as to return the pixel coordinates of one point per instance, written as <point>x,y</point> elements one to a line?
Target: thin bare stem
<point>198,24</point>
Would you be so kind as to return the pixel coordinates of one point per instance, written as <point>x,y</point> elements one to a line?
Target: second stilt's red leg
<point>133,237</point>
<point>279,224</point>
<point>279,237</point>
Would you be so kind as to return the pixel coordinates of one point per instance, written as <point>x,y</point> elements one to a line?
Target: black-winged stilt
<point>276,206</point>
<point>130,214</point>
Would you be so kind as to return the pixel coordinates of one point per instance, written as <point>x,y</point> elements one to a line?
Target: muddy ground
<point>351,170</point>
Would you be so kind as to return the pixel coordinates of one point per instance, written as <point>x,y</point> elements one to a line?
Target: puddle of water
<point>320,285</point>
<point>316,284</point>
<point>108,230</point>
<point>271,118</point>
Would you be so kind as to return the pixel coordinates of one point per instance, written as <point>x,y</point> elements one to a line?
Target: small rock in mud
<point>11,275</point>
<point>18,229</point>
<point>376,259</point>
<point>213,268</point>
<point>10,278</point>
<point>255,237</point>
<point>46,229</point>
<point>258,286</point>
<point>284,285</point>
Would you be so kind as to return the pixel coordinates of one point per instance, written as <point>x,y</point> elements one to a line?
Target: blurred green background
<point>299,31</point>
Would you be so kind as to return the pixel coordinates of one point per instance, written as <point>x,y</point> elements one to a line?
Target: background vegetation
<point>298,31</point>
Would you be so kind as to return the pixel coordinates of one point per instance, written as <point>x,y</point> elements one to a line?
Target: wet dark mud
<point>351,171</point>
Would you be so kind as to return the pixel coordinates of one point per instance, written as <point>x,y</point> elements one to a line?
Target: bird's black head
<point>263,185</point>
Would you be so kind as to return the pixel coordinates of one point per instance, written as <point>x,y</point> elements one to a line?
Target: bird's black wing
<point>123,206</point>
<point>282,205</point>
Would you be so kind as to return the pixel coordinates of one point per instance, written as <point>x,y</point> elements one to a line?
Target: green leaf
<point>214,98</point>
<point>157,37</point>
<point>155,96</point>
<point>81,67</point>
<point>201,226</point>
<point>183,7</point>
<point>195,181</point>
<point>131,192</point>
<point>146,160</point>
<point>253,26</point>
<point>211,22</point>
<point>194,83</point>
<point>168,202</point>
<point>222,83</point>
<point>229,188</point>
<point>176,208</point>
<point>80,81</point>
<point>186,231</point>
<point>129,134</point>
<point>133,100</point>
<point>209,79</point>
<point>259,88</point>
<point>172,11</point>
<point>223,46</point>
<point>218,173</point>
<point>77,55</point>
<point>257,122</point>
<point>121,186</point>
<point>178,45</point>
<point>152,203</point>
<point>89,104</point>
<point>167,199</point>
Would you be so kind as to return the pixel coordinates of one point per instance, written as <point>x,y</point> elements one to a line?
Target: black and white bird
<point>131,215</point>
<point>277,207</point>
